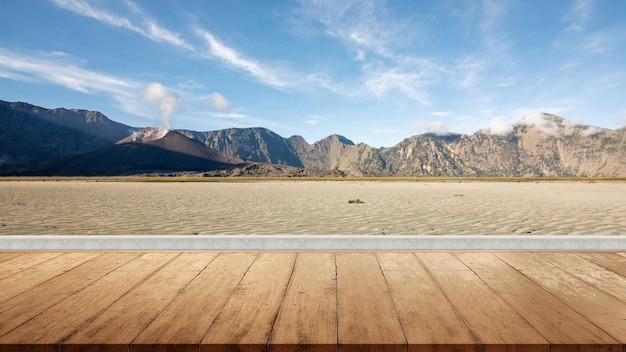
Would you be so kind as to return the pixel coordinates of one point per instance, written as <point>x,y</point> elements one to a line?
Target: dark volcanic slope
<point>171,153</point>
<point>30,136</point>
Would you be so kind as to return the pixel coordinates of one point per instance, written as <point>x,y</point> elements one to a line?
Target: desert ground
<point>312,207</point>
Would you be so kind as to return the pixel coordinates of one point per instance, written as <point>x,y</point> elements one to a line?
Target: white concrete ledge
<point>313,242</point>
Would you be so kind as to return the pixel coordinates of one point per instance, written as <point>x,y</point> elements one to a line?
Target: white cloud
<point>591,131</point>
<point>164,99</point>
<point>313,120</point>
<point>146,27</point>
<point>409,83</point>
<point>217,101</point>
<point>228,115</point>
<point>442,113</point>
<point>63,71</point>
<point>499,126</point>
<point>579,15</point>
<point>436,127</point>
<point>376,36</point>
<point>231,57</point>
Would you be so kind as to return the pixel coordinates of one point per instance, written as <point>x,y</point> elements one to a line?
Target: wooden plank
<point>49,328</point>
<point>366,316</point>
<point>495,324</point>
<point>591,273</point>
<point>23,307</point>
<point>564,328</point>
<point>246,321</point>
<point>4,256</point>
<point>601,308</point>
<point>429,321</point>
<point>35,275</point>
<point>609,261</point>
<point>183,324</point>
<point>122,321</point>
<point>25,261</point>
<point>308,316</point>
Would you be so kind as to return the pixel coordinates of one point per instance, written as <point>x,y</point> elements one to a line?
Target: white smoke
<point>436,127</point>
<point>165,100</point>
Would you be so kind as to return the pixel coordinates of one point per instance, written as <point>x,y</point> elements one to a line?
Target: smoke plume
<point>165,100</point>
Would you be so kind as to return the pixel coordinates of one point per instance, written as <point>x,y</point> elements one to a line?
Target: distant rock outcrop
<point>59,141</point>
<point>31,136</point>
<point>147,151</point>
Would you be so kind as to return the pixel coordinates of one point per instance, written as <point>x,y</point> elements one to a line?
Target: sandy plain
<point>312,207</point>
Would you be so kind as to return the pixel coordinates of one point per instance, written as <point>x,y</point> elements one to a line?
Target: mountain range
<point>39,141</point>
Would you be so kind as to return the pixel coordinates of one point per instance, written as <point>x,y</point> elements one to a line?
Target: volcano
<point>146,151</point>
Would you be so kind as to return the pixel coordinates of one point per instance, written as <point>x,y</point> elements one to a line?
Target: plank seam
<point>519,314</point>
<point>226,301</point>
<point>599,264</point>
<point>557,297</point>
<point>477,342</point>
<point>100,312</point>
<point>393,301</point>
<point>171,301</point>
<point>589,283</point>
<point>282,300</point>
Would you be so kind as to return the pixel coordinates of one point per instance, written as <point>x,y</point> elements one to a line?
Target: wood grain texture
<point>35,275</point>
<point>480,307</point>
<point>308,316</point>
<point>51,327</point>
<point>4,256</point>
<point>564,328</point>
<point>589,272</point>
<point>21,308</point>
<point>246,321</point>
<point>313,301</point>
<point>609,261</point>
<point>367,318</point>
<point>429,321</point>
<point>183,324</point>
<point>22,262</point>
<point>122,321</point>
<point>601,308</point>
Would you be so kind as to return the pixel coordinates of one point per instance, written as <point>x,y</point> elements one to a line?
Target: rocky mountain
<point>31,136</point>
<point>542,145</point>
<point>254,144</point>
<point>147,151</point>
<point>64,141</point>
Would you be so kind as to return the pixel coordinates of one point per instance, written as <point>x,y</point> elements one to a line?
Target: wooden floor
<point>313,301</point>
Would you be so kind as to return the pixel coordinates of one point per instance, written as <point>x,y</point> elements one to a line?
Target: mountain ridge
<point>537,145</point>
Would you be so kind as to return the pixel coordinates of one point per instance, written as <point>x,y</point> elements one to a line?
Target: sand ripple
<point>303,207</point>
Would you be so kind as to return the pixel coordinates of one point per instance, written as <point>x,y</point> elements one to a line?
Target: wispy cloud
<point>230,57</point>
<point>216,101</point>
<point>313,120</point>
<point>375,36</point>
<point>61,70</point>
<point>442,113</point>
<point>436,127</point>
<point>144,25</point>
<point>578,15</point>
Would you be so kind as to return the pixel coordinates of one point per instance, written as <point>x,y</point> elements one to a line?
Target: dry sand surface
<point>312,207</point>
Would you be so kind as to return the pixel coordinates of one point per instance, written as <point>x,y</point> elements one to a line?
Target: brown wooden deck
<point>313,301</point>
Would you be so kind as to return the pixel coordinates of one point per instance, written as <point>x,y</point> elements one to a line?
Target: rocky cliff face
<point>31,135</point>
<point>254,144</point>
<point>544,145</point>
<point>536,145</point>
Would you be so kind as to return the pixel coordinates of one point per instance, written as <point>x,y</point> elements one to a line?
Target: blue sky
<point>373,71</point>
